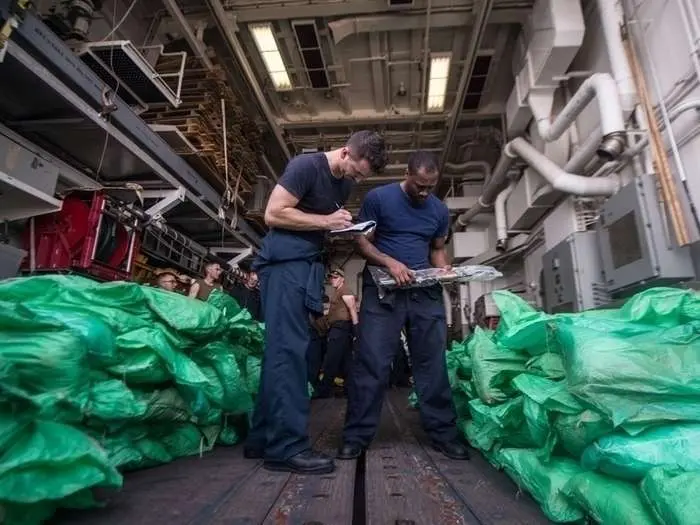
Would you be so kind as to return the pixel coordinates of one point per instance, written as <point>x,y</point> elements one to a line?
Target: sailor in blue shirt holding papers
<point>303,207</point>
<point>410,234</point>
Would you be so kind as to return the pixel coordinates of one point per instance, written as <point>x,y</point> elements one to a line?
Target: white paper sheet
<point>362,228</point>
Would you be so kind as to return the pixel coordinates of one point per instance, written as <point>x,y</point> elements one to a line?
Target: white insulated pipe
<point>499,209</point>
<point>560,179</point>
<point>494,184</point>
<point>599,86</point>
<point>611,19</point>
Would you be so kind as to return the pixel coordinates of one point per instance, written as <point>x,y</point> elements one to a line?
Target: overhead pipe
<point>468,166</point>
<point>559,178</point>
<point>603,88</point>
<point>501,220</point>
<point>226,29</point>
<point>481,19</point>
<point>612,19</point>
<point>492,188</point>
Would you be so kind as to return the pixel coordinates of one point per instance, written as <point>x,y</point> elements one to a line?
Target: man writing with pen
<point>411,230</point>
<point>304,205</point>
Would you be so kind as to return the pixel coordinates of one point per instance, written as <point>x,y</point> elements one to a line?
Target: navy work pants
<point>280,421</point>
<point>421,311</point>
<point>338,355</point>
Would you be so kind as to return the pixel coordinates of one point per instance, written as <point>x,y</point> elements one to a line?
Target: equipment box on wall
<point>636,244</point>
<point>573,275</point>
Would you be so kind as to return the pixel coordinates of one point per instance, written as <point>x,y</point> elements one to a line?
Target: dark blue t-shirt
<point>309,178</point>
<point>405,230</point>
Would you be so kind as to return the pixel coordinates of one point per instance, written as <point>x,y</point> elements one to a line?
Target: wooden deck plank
<point>322,500</point>
<point>402,484</point>
<point>252,502</point>
<point>490,495</point>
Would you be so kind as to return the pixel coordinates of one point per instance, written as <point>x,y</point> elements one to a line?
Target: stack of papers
<point>361,228</point>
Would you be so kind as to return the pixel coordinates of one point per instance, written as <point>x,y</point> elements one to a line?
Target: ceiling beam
<point>482,16</point>
<point>378,68</point>
<point>322,9</point>
<point>375,120</point>
<point>195,43</point>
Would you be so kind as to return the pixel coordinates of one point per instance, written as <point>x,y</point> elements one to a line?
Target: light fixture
<point>267,47</point>
<point>437,85</point>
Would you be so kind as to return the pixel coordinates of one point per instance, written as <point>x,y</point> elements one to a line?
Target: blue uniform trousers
<point>280,420</point>
<point>421,310</point>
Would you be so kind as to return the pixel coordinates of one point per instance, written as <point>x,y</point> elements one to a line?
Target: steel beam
<point>261,12</point>
<point>372,120</point>
<point>126,127</point>
<point>195,43</point>
<point>481,20</point>
<point>168,200</point>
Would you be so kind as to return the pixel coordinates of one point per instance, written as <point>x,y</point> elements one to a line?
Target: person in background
<point>317,347</point>
<point>305,204</point>
<point>201,288</point>
<point>167,281</point>
<point>342,322</point>
<point>412,225</point>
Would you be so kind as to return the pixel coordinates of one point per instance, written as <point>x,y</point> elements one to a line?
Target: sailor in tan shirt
<point>342,322</point>
<point>201,288</point>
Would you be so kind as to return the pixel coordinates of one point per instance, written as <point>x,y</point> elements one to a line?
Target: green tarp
<point>97,378</point>
<point>595,414</point>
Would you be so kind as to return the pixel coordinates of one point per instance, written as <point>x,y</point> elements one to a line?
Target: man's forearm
<point>438,258</point>
<point>370,252</point>
<point>295,219</point>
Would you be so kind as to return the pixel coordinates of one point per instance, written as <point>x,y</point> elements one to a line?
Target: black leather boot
<point>307,462</point>
<point>453,449</point>
<point>350,451</point>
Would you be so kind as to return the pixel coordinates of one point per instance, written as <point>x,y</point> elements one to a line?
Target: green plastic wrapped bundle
<point>635,365</point>
<point>493,367</point>
<point>631,457</point>
<point>576,431</point>
<point>672,495</point>
<point>608,500</point>
<point>43,462</point>
<point>617,391</point>
<point>500,425</point>
<point>139,376</point>
<point>544,480</point>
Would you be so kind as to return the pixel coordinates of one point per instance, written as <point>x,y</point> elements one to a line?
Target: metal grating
<point>125,70</point>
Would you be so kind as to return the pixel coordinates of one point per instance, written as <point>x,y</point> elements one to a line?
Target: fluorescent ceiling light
<point>267,46</point>
<point>437,85</point>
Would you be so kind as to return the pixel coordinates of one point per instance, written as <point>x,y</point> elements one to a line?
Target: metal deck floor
<point>401,480</point>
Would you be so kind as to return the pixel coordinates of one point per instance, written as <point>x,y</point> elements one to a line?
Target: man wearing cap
<point>342,320</point>
<point>305,204</point>
<point>411,230</point>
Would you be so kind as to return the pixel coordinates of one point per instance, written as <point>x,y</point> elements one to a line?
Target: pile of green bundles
<point>96,379</point>
<point>596,415</point>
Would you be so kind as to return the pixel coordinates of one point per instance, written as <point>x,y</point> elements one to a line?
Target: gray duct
<point>341,29</point>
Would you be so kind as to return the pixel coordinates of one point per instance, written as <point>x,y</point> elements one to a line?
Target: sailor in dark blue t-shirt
<point>306,202</point>
<point>412,227</point>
